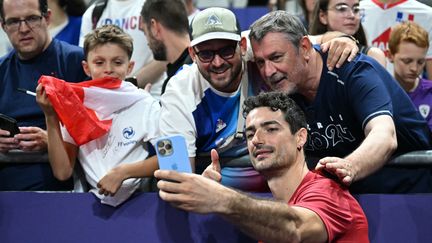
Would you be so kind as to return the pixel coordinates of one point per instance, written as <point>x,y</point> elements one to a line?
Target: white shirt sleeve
<point>86,24</point>
<point>178,102</point>
<point>151,119</point>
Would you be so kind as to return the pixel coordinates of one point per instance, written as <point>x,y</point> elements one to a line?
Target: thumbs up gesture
<point>213,170</point>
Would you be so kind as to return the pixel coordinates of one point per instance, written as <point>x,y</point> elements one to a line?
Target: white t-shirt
<point>193,108</point>
<point>126,142</point>
<point>379,18</point>
<point>209,119</point>
<point>127,15</point>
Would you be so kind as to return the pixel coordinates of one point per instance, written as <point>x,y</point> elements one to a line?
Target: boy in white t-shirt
<point>120,153</point>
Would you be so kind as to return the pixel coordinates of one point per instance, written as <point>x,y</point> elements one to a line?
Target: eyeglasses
<point>226,53</point>
<point>32,21</point>
<point>345,9</point>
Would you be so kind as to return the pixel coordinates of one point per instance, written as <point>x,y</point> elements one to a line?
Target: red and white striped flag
<point>86,109</point>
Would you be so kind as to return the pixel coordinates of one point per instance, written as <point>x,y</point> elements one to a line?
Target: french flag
<point>86,109</point>
<point>400,16</point>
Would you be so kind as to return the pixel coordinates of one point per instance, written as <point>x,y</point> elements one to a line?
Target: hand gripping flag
<point>86,109</point>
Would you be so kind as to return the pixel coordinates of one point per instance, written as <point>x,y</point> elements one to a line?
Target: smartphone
<point>172,154</point>
<point>9,124</point>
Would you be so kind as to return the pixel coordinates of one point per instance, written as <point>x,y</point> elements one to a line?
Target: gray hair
<point>278,22</point>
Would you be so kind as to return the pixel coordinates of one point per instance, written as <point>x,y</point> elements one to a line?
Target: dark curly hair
<point>293,115</point>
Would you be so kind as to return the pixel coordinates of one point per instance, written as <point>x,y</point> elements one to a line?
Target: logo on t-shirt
<point>381,41</point>
<point>424,110</point>
<point>220,125</point>
<point>329,134</point>
<point>128,132</point>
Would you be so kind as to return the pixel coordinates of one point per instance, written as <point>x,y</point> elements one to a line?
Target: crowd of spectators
<point>350,97</point>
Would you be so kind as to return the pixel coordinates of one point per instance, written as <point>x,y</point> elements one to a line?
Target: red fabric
<point>340,212</point>
<point>67,99</point>
<point>387,6</point>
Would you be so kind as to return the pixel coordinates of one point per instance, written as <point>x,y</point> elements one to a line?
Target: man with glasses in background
<point>34,53</point>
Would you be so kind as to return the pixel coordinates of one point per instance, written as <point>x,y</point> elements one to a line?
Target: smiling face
<point>108,60</point>
<point>224,74</point>
<point>342,15</point>
<point>282,66</point>
<point>31,38</point>
<point>270,142</point>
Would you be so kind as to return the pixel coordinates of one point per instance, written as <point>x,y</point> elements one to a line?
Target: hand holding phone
<point>9,124</point>
<point>172,154</point>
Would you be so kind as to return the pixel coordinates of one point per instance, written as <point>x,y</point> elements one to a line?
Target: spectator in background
<point>343,16</point>
<point>202,101</point>
<point>4,43</point>
<point>307,206</point>
<point>191,9</point>
<point>307,7</point>
<point>166,27</point>
<point>66,19</point>
<point>357,115</point>
<point>35,53</point>
<point>408,45</point>
<point>126,15</point>
<point>381,15</point>
<point>110,159</point>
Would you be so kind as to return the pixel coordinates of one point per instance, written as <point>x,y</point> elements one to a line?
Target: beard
<point>277,161</point>
<point>159,51</point>
<point>226,83</point>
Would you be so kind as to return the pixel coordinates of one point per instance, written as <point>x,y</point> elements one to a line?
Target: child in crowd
<point>109,161</point>
<point>408,45</point>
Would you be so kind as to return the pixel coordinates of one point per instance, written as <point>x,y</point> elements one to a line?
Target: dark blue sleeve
<point>70,61</point>
<point>366,89</point>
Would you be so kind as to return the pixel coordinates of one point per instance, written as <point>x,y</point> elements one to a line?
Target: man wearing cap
<point>203,101</point>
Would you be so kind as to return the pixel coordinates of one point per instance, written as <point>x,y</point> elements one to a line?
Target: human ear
<point>301,138</point>
<point>192,53</point>
<point>323,17</point>
<point>86,68</point>
<point>130,67</point>
<point>243,45</point>
<point>155,29</point>
<point>47,17</point>
<point>305,47</point>
<point>390,56</point>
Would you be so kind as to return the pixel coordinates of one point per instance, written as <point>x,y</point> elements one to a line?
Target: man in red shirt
<point>318,209</point>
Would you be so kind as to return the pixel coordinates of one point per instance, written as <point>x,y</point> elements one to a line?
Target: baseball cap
<point>214,23</point>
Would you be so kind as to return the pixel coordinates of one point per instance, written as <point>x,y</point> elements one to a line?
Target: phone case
<point>9,124</point>
<point>172,154</point>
